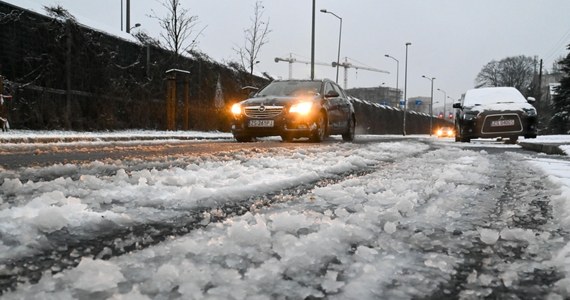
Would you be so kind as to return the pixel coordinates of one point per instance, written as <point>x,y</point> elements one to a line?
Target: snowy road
<point>416,218</point>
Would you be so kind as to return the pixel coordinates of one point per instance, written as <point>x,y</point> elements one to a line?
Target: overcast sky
<point>451,39</point>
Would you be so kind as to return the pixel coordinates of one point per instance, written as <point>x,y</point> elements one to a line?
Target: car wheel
<point>319,133</point>
<point>243,138</point>
<point>348,136</point>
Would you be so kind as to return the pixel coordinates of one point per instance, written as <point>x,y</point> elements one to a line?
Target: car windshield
<point>291,88</point>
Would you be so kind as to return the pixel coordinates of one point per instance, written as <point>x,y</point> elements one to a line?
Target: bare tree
<point>180,28</point>
<point>517,71</point>
<point>255,37</point>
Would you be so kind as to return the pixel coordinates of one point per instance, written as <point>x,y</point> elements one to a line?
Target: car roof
<point>492,95</point>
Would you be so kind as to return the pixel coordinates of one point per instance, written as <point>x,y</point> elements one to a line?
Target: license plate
<point>498,123</point>
<point>260,123</point>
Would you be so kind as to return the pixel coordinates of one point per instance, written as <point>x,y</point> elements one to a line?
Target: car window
<point>339,90</point>
<point>328,88</point>
<point>291,88</point>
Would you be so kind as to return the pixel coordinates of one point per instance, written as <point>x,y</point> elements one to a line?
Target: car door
<point>332,104</point>
<point>344,110</point>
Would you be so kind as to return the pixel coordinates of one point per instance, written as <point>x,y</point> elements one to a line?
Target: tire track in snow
<point>512,267</point>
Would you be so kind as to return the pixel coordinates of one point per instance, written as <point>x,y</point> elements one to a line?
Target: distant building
<point>381,95</point>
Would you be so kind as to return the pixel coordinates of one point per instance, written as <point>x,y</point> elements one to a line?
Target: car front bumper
<point>504,124</point>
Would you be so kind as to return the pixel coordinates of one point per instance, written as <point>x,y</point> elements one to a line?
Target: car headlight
<point>301,108</point>
<point>469,116</point>
<point>439,132</point>
<point>531,112</point>
<point>236,109</point>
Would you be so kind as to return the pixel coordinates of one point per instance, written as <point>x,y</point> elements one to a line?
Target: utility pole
<point>405,91</point>
<point>128,27</point>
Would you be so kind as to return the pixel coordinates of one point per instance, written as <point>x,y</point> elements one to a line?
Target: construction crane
<point>292,60</point>
<point>346,65</point>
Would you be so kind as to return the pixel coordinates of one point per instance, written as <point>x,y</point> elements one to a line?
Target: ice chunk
<point>489,236</point>
<point>95,275</point>
<point>50,219</point>
<point>390,227</point>
<point>509,278</point>
<point>330,283</point>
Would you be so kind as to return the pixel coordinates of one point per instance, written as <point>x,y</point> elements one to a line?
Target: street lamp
<point>136,25</point>
<point>405,90</point>
<point>444,101</point>
<point>397,73</point>
<point>339,38</point>
<point>431,104</point>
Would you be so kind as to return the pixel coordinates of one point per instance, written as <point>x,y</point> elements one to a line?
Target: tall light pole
<point>313,44</point>
<point>128,18</point>
<point>339,38</point>
<point>405,90</point>
<point>444,101</point>
<point>397,74</point>
<point>452,100</point>
<point>431,104</point>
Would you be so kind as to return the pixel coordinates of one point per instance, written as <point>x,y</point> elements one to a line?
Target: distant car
<point>494,112</point>
<point>293,109</point>
<point>445,132</point>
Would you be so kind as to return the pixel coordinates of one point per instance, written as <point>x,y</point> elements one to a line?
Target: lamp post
<point>431,104</point>
<point>444,101</point>
<point>405,90</point>
<point>313,43</point>
<point>452,100</point>
<point>397,74</point>
<point>339,39</point>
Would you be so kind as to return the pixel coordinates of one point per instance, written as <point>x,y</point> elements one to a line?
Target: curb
<point>544,148</point>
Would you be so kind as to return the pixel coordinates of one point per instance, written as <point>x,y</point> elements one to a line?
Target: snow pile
<point>348,240</point>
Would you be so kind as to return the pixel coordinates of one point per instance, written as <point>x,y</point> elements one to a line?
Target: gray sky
<point>451,39</point>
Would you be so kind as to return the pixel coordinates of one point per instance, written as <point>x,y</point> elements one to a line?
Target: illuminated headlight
<point>439,132</point>
<point>450,132</point>
<point>301,108</point>
<point>236,109</point>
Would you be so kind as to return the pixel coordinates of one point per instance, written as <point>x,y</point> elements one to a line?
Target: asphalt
<point>547,148</point>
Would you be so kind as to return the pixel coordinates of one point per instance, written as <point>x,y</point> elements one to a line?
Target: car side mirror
<point>332,94</point>
<point>531,99</point>
<point>456,105</point>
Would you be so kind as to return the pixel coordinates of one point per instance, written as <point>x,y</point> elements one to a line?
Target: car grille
<point>502,123</point>
<point>263,112</point>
